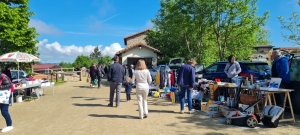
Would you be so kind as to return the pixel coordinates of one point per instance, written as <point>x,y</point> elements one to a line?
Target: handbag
<point>4,96</point>
<point>95,82</point>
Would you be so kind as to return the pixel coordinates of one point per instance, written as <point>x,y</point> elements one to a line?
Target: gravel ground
<point>76,109</point>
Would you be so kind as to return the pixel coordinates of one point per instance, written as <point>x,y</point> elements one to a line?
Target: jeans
<point>182,96</point>
<point>115,87</point>
<point>5,113</point>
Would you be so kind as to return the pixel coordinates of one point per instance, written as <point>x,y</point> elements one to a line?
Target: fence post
<point>52,76</point>
<point>61,69</point>
<point>80,75</point>
<point>73,69</point>
<point>56,77</point>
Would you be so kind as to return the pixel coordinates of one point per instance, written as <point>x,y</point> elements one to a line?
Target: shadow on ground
<point>89,105</point>
<point>114,116</point>
<point>90,98</point>
<point>159,111</point>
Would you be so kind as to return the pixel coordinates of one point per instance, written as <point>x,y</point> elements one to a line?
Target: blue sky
<point>69,28</point>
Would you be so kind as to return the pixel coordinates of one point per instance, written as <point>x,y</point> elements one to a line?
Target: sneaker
<point>110,105</point>
<point>182,112</point>
<point>145,116</point>
<point>6,129</point>
<point>191,112</point>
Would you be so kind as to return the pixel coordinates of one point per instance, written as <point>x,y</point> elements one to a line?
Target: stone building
<point>137,48</point>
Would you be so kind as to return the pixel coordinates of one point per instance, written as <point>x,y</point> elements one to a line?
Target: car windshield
<point>176,61</point>
<point>257,66</point>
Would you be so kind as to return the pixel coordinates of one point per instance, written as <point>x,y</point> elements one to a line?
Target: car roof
<point>247,61</point>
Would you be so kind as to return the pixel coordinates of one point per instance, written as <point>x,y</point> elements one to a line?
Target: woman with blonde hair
<point>142,78</point>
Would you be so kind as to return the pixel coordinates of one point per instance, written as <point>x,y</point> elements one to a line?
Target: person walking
<point>115,77</point>
<point>131,71</point>
<point>280,68</point>
<point>186,82</point>
<point>99,74</point>
<point>128,88</point>
<point>5,84</point>
<point>142,79</point>
<point>92,74</point>
<point>232,68</point>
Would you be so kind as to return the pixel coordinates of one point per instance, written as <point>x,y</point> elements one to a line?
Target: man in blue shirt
<point>115,77</point>
<point>186,82</point>
<point>280,69</point>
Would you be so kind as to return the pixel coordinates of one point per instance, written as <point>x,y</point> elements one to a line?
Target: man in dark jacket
<point>7,71</point>
<point>115,77</point>
<point>131,71</point>
<point>186,82</point>
<point>99,73</point>
<point>93,70</point>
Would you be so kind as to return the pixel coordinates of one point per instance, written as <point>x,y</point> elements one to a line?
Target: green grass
<point>60,81</point>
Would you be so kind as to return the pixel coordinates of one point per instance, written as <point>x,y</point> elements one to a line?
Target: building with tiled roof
<point>43,68</point>
<point>137,48</point>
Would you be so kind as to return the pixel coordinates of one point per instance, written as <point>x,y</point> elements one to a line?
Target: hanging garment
<point>157,79</point>
<point>172,78</point>
<point>162,79</point>
<point>169,80</point>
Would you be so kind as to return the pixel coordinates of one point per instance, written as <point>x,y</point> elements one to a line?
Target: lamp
<point>140,46</point>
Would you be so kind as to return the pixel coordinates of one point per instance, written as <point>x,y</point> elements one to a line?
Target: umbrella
<point>18,57</point>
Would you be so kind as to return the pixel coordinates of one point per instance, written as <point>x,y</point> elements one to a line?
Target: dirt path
<point>76,109</point>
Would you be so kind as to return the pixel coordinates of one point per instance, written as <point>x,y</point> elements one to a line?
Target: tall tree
<point>291,27</point>
<point>97,54</point>
<point>15,33</point>
<point>105,60</point>
<point>82,61</point>
<point>207,30</point>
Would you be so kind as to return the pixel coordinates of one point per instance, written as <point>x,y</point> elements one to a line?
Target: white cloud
<point>43,28</point>
<point>55,52</point>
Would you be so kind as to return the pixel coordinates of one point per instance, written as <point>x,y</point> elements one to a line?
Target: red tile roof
<point>44,66</point>
<point>137,45</point>
<point>136,34</point>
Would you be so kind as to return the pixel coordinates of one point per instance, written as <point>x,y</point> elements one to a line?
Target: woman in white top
<point>142,78</point>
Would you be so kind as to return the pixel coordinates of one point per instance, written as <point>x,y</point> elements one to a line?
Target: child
<point>128,88</point>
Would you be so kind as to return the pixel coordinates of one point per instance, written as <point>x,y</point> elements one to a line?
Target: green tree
<point>15,33</point>
<point>97,54</point>
<point>105,60</point>
<point>82,61</point>
<point>207,30</point>
<point>291,27</point>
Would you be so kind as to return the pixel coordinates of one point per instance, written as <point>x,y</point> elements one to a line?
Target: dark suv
<point>260,70</point>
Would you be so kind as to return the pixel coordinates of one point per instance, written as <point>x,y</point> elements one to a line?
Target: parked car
<point>174,64</point>
<point>14,75</point>
<point>260,70</point>
<point>198,71</point>
<point>157,69</point>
